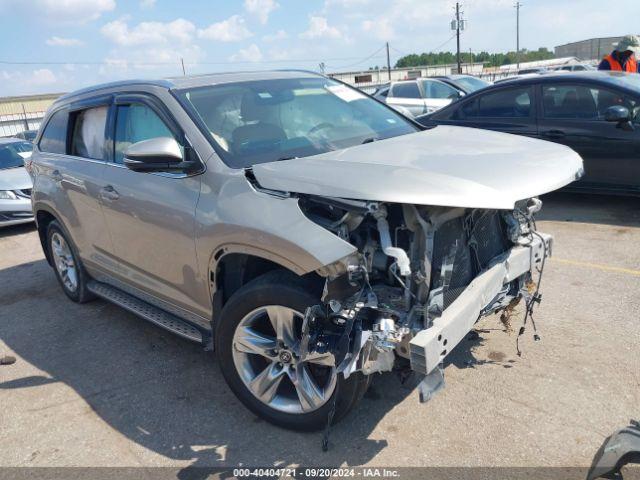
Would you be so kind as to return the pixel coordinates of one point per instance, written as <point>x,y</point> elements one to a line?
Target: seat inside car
<point>257,128</point>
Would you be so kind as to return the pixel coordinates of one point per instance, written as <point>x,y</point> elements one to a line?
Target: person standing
<point>624,56</point>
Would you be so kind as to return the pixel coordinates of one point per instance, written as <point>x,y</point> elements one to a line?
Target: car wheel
<point>66,263</point>
<point>257,341</point>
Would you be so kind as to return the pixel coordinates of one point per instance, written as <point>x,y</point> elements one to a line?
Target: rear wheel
<point>67,265</point>
<point>258,348</point>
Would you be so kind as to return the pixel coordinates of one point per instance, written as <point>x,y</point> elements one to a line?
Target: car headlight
<point>7,195</point>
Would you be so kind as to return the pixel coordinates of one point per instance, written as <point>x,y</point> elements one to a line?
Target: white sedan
<point>15,182</point>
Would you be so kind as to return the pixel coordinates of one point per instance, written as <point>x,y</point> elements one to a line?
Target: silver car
<point>309,234</point>
<point>418,97</point>
<point>15,183</point>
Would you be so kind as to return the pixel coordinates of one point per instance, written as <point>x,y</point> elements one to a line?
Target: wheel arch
<point>233,266</point>
<point>44,216</point>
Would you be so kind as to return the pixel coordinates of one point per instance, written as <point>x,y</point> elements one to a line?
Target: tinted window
<point>88,139</point>
<point>12,155</point>
<point>511,103</point>
<point>406,90</point>
<point>266,120</point>
<point>582,102</point>
<point>54,137</point>
<point>434,89</point>
<point>471,84</point>
<point>134,123</point>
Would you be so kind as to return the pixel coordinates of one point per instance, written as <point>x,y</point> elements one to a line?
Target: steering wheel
<point>320,126</point>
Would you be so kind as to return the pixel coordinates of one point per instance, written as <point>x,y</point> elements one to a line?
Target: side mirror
<point>161,153</point>
<point>619,115</point>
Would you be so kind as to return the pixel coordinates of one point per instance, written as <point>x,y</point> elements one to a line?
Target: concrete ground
<point>95,386</point>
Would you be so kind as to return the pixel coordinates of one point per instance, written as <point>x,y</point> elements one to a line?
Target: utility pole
<point>458,26</point>
<point>388,63</point>
<point>518,5</point>
<point>458,35</point>
<point>184,72</point>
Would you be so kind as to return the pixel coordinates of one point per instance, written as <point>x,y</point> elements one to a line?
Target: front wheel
<point>257,344</point>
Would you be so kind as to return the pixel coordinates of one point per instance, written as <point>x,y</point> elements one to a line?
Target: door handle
<point>553,134</point>
<point>109,193</point>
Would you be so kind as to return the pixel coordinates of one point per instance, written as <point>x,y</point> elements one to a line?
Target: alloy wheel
<point>272,362</point>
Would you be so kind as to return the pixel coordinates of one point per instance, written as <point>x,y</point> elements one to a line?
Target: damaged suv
<point>309,234</point>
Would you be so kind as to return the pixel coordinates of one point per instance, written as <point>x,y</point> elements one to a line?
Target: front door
<point>573,114</point>
<point>151,216</point>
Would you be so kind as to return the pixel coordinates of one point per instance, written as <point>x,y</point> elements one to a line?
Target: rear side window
<point>135,123</point>
<point>88,140</point>
<point>510,103</point>
<point>54,137</point>
<point>406,90</point>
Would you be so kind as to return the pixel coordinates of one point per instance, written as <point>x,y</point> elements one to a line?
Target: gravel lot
<point>95,386</point>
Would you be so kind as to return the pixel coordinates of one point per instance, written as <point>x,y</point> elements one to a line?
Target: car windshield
<point>12,154</point>
<point>268,120</point>
<point>471,84</point>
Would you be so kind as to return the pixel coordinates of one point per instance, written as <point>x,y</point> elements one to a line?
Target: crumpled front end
<point>422,276</point>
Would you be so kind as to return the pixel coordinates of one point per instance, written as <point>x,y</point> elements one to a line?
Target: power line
<point>230,62</point>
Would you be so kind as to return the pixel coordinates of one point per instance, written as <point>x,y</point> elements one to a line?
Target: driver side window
<point>134,123</point>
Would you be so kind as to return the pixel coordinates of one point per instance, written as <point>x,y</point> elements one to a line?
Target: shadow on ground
<point>591,208</point>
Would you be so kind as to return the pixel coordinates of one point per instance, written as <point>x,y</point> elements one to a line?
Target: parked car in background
<point>576,67</point>
<point>29,135</point>
<point>312,234</point>
<point>537,70</point>
<point>464,83</point>
<point>420,96</point>
<point>594,113</point>
<point>15,183</point>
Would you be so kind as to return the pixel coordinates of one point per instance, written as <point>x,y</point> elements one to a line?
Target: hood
<point>14,179</point>
<point>444,166</point>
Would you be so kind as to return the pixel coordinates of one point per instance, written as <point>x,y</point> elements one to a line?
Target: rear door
<point>71,162</point>
<point>573,114</point>
<point>510,110</point>
<point>151,216</point>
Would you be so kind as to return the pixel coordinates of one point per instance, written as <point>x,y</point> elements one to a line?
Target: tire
<point>283,291</point>
<point>63,251</point>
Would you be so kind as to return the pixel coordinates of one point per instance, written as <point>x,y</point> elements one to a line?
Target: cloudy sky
<point>60,45</point>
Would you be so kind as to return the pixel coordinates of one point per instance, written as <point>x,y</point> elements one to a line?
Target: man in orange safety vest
<point>623,58</point>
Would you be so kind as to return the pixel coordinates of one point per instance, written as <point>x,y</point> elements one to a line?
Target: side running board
<point>145,310</point>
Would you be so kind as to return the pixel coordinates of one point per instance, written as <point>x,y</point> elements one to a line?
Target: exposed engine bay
<point>422,276</point>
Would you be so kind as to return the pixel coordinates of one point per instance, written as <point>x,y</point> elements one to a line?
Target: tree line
<point>489,59</point>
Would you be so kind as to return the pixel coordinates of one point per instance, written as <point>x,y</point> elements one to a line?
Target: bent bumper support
<point>430,346</point>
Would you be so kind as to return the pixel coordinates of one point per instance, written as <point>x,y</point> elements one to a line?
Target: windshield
<point>268,120</point>
<point>471,84</point>
<point>12,155</point>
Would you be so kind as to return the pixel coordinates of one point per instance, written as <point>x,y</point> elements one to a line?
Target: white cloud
<point>64,42</point>
<point>319,28</point>
<point>71,11</point>
<point>145,33</point>
<point>260,8</point>
<point>249,54</point>
<point>381,28</point>
<point>272,37</point>
<point>147,3</point>
<point>232,29</point>
<point>42,76</point>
